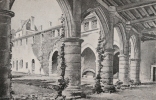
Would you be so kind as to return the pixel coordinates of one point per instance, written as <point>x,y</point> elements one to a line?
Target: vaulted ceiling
<point>140,13</point>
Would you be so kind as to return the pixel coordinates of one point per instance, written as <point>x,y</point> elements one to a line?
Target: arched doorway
<point>88,63</point>
<point>33,65</point>
<point>54,62</point>
<point>116,66</point>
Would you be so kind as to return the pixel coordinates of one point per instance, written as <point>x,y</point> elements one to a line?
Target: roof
<point>140,13</point>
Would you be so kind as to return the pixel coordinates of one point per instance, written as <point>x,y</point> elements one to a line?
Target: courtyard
<point>87,42</point>
<point>24,85</point>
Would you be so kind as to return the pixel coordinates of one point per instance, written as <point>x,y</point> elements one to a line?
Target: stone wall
<point>147,59</point>
<point>44,44</point>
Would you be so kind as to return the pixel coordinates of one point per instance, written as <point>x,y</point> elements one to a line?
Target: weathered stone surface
<point>5,28</point>
<point>135,70</point>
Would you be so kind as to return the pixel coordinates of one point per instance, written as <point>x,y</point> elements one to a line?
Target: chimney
<point>40,28</point>
<point>32,23</point>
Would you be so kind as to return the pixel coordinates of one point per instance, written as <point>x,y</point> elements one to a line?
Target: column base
<point>73,92</point>
<point>109,88</point>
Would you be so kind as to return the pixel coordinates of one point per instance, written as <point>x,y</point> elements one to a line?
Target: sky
<point>44,11</point>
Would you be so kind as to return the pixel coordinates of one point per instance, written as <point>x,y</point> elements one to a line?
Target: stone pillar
<point>123,68</point>
<point>135,63</point>
<point>5,56</point>
<point>107,69</point>
<point>72,51</point>
<point>135,70</point>
<point>124,58</point>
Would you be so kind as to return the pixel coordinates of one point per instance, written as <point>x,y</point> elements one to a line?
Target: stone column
<point>5,56</point>
<point>135,70</point>
<point>135,63</point>
<point>123,68</point>
<point>107,69</point>
<point>124,59</point>
<point>72,51</point>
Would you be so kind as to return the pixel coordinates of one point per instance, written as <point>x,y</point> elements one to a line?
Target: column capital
<point>128,28</point>
<point>7,13</point>
<point>109,50</point>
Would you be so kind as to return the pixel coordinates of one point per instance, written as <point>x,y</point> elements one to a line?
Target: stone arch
<point>101,17</point>
<point>122,36</point>
<point>69,22</point>
<point>132,46</point>
<point>88,61</point>
<point>116,49</point>
<point>50,60</point>
<point>91,71</point>
<point>54,62</point>
<point>88,46</point>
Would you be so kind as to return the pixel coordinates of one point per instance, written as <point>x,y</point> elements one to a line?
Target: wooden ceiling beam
<point>153,24</point>
<point>151,7</point>
<point>131,15</point>
<point>149,35</point>
<point>138,13</point>
<point>148,30</point>
<point>136,5</point>
<point>144,10</point>
<point>113,2</point>
<point>143,19</point>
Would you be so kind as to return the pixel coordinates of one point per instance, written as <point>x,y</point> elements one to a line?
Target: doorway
<point>54,62</point>
<point>154,73</point>
<point>33,65</point>
<point>116,66</point>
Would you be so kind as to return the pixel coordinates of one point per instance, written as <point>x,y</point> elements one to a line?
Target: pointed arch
<point>122,36</point>
<point>132,46</point>
<point>101,17</point>
<point>50,59</point>
<point>88,62</point>
<point>88,46</point>
<point>69,23</point>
